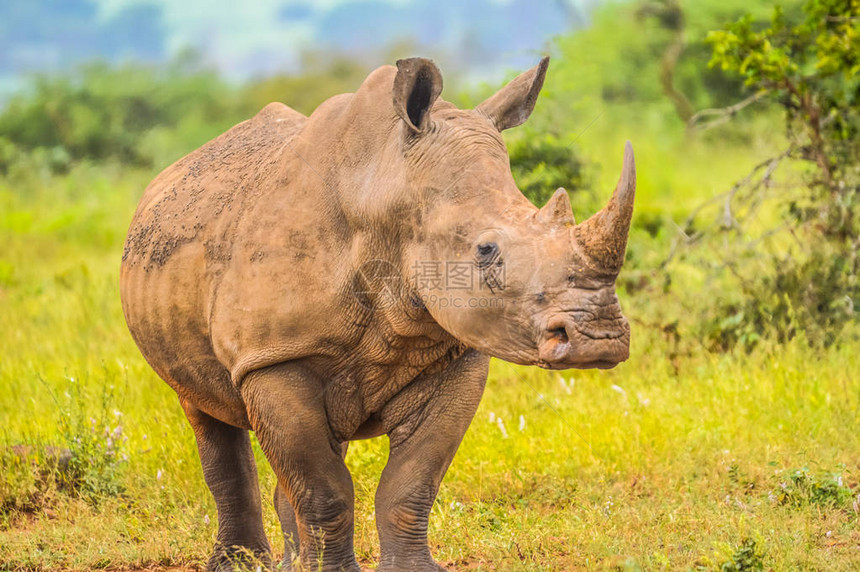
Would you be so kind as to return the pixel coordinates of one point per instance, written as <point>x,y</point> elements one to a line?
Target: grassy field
<point>716,461</point>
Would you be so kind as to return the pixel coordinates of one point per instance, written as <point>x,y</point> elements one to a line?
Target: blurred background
<point>742,257</point>
<point>757,118</point>
<point>268,37</point>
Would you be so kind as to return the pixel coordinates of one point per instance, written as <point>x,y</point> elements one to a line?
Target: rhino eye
<point>488,250</point>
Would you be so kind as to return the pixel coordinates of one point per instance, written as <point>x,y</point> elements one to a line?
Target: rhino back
<point>183,239</point>
<point>189,196</point>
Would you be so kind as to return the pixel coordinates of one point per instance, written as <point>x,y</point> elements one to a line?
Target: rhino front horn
<point>604,235</point>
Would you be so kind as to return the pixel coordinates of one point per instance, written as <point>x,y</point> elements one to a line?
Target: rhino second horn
<point>604,235</point>
<point>557,209</point>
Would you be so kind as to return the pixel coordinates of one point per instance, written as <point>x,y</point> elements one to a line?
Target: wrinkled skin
<point>271,278</point>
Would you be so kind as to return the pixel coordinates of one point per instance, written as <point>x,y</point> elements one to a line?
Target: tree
<point>802,274</point>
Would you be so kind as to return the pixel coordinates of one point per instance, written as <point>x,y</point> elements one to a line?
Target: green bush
<point>101,112</point>
<point>800,273</point>
<point>803,488</point>
<point>541,163</point>
<point>747,558</point>
<point>147,116</point>
<point>88,464</point>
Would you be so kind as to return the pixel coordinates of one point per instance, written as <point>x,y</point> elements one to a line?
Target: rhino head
<point>526,285</point>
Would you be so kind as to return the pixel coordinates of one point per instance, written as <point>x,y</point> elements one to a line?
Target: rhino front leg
<point>289,527</point>
<point>287,517</point>
<point>286,410</point>
<point>422,445</point>
<point>231,475</point>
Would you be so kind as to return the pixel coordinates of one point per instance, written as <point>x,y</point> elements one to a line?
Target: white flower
<point>501,425</point>
<point>619,389</point>
<point>158,475</point>
<point>522,423</point>
<point>567,388</point>
<point>492,416</point>
<point>607,508</point>
<point>205,519</point>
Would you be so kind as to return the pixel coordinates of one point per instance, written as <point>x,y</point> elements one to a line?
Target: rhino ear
<point>416,86</point>
<point>513,104</point>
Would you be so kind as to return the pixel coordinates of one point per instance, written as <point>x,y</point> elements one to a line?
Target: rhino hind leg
<point>287,413</point>
<point>231,475</point>
<point>289,527</point>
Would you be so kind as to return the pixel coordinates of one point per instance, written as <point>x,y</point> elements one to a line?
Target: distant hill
<point>258,37</point>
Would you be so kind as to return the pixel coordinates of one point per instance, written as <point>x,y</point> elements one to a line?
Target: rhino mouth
<point>566,344</point>
<point>599,364</point>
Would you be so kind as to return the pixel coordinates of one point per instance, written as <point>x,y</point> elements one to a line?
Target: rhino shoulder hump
<point>279,113</point>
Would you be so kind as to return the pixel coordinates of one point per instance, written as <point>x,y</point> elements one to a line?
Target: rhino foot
<point>239,559</point>
<point>287,566</point>
<point>413,566</point>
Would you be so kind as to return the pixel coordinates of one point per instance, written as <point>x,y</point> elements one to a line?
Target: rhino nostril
<point>560,334</point>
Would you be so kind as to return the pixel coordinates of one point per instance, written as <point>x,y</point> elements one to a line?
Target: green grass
<point>656,464</point>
